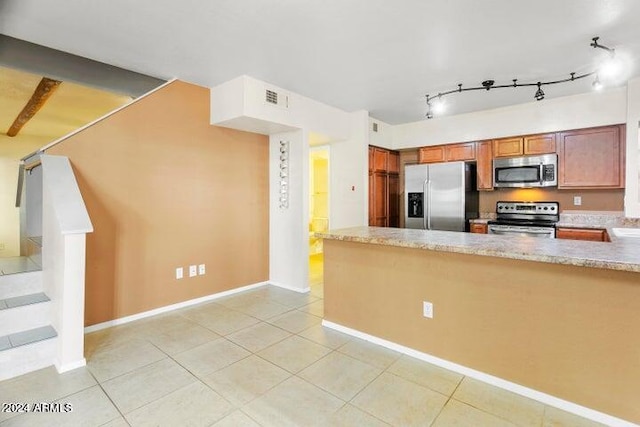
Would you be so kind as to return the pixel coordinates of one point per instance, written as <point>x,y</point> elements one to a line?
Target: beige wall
<point>592,200</point>
<point>165,189</point>
<point>567,331</point>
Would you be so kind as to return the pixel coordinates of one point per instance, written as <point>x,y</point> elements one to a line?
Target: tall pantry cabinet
<point>384,187</point>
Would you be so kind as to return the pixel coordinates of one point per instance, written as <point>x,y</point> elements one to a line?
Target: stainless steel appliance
<point>440,196</point>
<point>525,172</point>
<point>532,219</point>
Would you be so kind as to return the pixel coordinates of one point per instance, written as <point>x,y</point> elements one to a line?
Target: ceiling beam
<point>45,89</point>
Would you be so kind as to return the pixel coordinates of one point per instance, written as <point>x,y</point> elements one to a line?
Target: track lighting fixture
<point>612,66</point>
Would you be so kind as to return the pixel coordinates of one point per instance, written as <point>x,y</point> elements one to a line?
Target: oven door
<point>518,230</point>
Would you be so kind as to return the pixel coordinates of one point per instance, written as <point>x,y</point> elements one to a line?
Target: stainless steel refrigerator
<point>440,196</point>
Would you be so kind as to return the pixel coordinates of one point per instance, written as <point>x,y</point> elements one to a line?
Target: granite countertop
<point>619,254</point>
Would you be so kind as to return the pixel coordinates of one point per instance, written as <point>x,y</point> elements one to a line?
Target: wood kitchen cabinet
<point>433,154</point>
<point>591,158</point>
<point>590,234</point>
<point>484,165</point>
<point>539,144</point>
<point>460,152</point>
<point>525,145</point>
<point>507,147</point>
<point>465,151</point>
<point>384,187</point>
<point>480,228</point>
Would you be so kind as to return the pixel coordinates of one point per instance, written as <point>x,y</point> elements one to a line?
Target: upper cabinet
<point>525,145</point>
<point>539,144</point>
<point>432,154</point>
<point>484,165</point>
<point>448,153</point>
<point>380,159</point>
<point>507,147</point>
<point>591,158</point>
<point>460,152</point>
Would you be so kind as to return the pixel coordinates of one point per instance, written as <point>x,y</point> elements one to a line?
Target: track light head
<point>539,96</point>
<point>596,83</point>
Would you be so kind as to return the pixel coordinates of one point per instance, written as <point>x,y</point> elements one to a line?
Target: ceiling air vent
<point>375,127</point>
<point>271,97</point>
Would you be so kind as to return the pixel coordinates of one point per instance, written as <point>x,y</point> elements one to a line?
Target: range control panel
<point>531,208</point>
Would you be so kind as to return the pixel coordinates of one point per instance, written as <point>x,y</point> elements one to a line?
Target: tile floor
<point>260,358</point>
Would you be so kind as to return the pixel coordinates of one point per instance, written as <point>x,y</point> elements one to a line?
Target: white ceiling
<point>375,55</point>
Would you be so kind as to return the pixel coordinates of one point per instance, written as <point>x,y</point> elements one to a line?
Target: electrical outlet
<point>427,309</point>
<point>193,271</point>
<point>201,270</point>
<point>179,273</point>
<point>577,200</point>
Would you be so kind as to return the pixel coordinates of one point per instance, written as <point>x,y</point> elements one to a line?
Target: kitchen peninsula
<point>560,317</point>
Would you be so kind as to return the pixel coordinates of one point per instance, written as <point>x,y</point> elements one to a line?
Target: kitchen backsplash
<point>592,200</point>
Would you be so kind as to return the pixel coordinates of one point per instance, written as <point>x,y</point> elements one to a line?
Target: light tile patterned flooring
<point>260,358</point>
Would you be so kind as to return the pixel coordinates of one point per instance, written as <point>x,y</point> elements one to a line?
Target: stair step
<point>30,336</point>
<point>22,300</point>
<point>27,351</point>
<point>24,312</point>
<point>13,285</point>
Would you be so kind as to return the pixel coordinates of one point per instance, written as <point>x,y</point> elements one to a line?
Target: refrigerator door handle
<point>425,192</point>
<point>428,205</point>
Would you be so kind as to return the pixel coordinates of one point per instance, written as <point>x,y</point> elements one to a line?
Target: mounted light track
<point>607,70</point>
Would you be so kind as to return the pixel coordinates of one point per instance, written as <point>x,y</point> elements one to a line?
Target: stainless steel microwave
<point>526,172</point>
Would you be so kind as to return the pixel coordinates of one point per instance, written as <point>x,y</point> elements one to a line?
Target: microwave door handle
<point>541,174</point>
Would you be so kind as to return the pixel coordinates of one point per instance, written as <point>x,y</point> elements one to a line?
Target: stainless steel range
<point>533,219</point>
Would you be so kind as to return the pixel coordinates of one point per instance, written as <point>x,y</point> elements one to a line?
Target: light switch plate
<point>427,309</point>
<point>201,270</point>
<point>193,271</point>
<point>179,273</point>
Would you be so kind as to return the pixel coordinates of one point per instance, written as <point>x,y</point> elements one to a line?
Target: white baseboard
<point>160,310</point>
<point>290,288</point>
<point>486,378</point>
<point>70,366</point>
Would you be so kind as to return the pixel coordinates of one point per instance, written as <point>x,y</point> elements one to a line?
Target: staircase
<point>27,339</point>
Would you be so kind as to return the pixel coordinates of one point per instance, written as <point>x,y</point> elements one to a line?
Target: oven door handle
<point>501,231</point>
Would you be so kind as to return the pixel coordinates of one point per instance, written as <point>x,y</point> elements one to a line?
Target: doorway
<point>318,213</point>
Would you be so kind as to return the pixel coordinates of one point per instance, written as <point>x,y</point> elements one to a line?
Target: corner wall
<point>165,189</point>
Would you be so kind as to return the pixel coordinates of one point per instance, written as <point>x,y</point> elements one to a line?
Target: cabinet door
<point>540,144</point>
<point>431,154</point>
<point>484,166</point>
<point>591,158</point>
<point>380,159</point>
<point>460,152</point>
<point>478,228</point>
<point>372,195</point>
<point>394,200</point>
<point>394,162</point>
<point>380,199</point>
<point>507,147</point>
<point>594,235</point>
<point>371,159</point>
